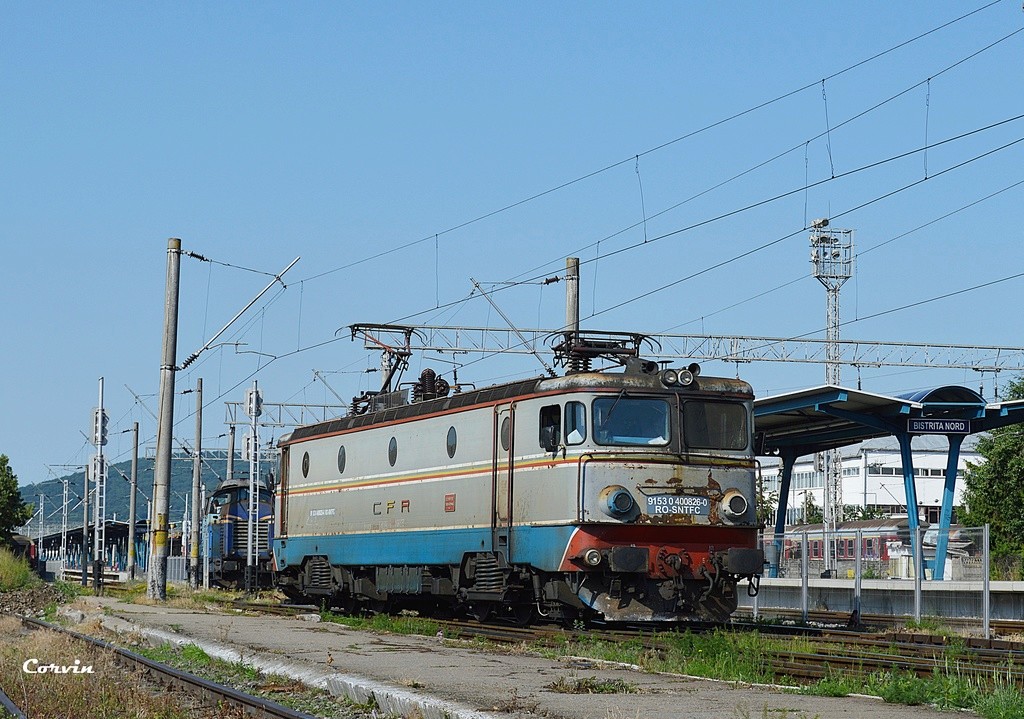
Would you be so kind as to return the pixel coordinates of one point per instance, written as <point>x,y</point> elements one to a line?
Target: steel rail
<point>202,689</point>
<point>10,707</point>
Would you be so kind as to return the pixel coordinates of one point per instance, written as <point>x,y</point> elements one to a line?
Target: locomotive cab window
<point>550,427</point>
<point>575,423</point>
<point>715,425</point>
<point>631,420</point>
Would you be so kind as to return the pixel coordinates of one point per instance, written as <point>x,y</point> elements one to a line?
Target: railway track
<point>204,691</point>
<point>866,655</point>
<point>835,652</point>
<point>1002,627</point>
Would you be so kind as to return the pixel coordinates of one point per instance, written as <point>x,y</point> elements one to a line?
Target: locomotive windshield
<point>631,420</point>
<point>715,425</point>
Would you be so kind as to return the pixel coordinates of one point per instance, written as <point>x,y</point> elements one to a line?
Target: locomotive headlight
<point>592,557</point>
<point>616,501</point>
<point>734,505</point>
<point>685,377</point>
<point>669,377</point>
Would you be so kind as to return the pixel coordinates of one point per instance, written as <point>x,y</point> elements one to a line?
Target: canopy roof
<point>826,417</point>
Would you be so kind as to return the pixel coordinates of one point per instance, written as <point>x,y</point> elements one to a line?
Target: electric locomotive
<point>624,496</point>
<point>228,511</point>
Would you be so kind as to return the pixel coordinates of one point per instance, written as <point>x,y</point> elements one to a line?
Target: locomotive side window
<point>341,459</point>
<point>506,433</point>
<point>452,442</point>
<point>575,423</point>
<point>305,464</point>
<point>550,427</point>
<point>631,421</point>
<point>715,425</point>
<point>393,451</point>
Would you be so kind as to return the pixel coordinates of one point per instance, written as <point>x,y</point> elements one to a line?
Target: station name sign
<point>920,425</point>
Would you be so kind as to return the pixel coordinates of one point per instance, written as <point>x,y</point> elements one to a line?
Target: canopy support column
<point>946,513</point>
<point>788,462</point>
<point>910,489</point>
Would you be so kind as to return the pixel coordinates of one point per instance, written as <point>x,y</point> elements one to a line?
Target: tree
<point>994,491</point>
<point>13,510</point>
<point>857,512</point>
<point>767,503</point>
<point>812,513</point>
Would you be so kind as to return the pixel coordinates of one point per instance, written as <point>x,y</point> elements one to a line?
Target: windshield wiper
<point>620,395</point>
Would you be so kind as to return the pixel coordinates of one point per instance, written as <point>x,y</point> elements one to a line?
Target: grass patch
<point>110,690</point>
<point>250,680</point>
<point>722,654</point>
<point>401,624</point>
<point>943,689</point>
<point>15,572</point>
<point>592,685</point>
<point>1002,703</point>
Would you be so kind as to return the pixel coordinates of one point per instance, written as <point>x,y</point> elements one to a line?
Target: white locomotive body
<point>611,496</point>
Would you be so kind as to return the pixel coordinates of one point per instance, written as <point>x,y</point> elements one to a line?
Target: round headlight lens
<point>685,377</point>
<point>669,377</point>
<point>734,505</point>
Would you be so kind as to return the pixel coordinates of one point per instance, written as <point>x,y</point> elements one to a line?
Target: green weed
<point>15,572</point>
<point>1002,703</point>
<point>592,685</point>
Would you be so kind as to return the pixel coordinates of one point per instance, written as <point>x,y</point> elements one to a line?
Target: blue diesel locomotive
<point>228,512</point>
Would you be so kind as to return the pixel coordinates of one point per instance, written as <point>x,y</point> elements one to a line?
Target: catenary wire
<point>685,136</point>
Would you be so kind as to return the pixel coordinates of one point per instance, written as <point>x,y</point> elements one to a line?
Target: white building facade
<point>873,477</point>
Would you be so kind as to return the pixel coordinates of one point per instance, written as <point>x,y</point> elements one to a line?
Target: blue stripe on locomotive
<point>540,547</point>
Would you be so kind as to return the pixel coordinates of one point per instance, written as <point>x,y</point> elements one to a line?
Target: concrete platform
<point>444,679</point>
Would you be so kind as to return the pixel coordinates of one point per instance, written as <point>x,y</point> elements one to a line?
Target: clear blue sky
<point>340,131</point>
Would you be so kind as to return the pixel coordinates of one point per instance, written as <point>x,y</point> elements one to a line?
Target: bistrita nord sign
<point>923,425</point>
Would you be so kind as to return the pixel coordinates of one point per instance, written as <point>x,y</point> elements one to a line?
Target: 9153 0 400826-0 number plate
<point>678,504</point>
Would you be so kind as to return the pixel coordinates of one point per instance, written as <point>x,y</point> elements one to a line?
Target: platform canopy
<point>828,417</point>
<point>823,418</point>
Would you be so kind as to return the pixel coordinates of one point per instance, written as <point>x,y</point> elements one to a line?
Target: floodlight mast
<point>832,265</point>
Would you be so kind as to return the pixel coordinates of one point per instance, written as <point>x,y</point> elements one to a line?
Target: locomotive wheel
<point>344,603</point>
<point>522,614</point>
<point>481,611</point>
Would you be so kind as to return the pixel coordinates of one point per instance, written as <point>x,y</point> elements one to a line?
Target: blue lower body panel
<point>540,547</point>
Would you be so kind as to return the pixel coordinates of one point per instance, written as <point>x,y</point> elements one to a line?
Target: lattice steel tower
<point>832,264</point>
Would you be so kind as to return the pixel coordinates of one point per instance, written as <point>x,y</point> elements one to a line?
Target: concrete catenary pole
<point>572,296</point>
<point>251,546</point>
<point>85,554</point>
<point>231,452</point>
<point>197,471</point>
<point>64,530</point>
<point>157,586</point>
<point>99,478</point>
<point>132,506</point>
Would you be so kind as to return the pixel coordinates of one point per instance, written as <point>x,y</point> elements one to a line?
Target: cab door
<point>502,467</point>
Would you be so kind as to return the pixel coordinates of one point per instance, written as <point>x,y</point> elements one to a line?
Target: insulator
<point>426,388</point>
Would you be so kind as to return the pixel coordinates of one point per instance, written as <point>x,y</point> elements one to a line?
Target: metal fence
<point>881,570</point>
